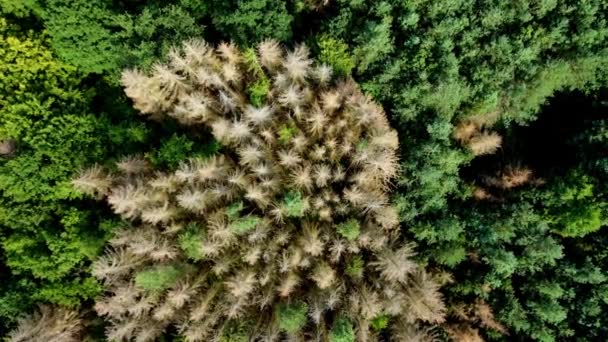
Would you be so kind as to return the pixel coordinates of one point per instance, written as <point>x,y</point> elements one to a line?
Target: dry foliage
<point>485,143</point>
<point>49,324</point>
<point>482,194</point>
<point>7,148</point>
<point>464,333</point>
<point>510,177</point>
<point>472,134</point>
<point>295,209</point>
<point>470,316</point>
<point>465,130</point>
<point>483,311</point>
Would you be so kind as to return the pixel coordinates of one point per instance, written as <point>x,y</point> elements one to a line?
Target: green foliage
<point>574,210</point>
<point>173,151</point>
<point>292,317</point>
<point>190,241</point>
<point>536,243</point>
<point>380,322</point>
<point>259,89</point>
<point>19,9</point>
<point>245,224</point>
<point>450,254</point>
<point>85,40</point>
<point>429,62</point>
<point>342,331</point>
<point>591,142</point>
<point>444,239</point>
<point>355,267</point>
<point>294,204</point>
<point>258,92</point>
<point>47,236</point>
<point>535,253</point>
<point>179,147</point>
<point>158,278</point>
<point>362,144</point>
<point>99,37</point>
<point>349,229</point>
<point>432,176</point>
<point>248,22</point>
<point>374,43</point>
<point>235,331</point>
<point>234,210</point>
<point>287,132</point>
<point>334,53</point>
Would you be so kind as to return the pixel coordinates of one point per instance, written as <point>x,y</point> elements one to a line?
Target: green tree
<point>47,235</point>
<point>249,22</point>
<point>103,37</point>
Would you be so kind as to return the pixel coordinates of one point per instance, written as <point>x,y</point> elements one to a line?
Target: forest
<point>303,170</point>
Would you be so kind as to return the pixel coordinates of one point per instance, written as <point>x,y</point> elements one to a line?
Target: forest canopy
<point>306,170</point>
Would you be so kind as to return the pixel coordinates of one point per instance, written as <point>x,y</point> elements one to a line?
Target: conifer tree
<point>287,232</point>
<point>49,324</point>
